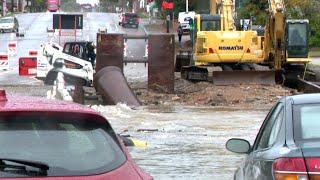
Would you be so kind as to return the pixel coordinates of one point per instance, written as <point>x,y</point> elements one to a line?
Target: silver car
<point>9,24</point>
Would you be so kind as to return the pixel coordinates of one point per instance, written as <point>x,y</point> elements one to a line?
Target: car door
<point>265,148</point>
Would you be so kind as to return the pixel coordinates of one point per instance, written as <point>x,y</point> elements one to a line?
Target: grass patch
<point>314,53</point>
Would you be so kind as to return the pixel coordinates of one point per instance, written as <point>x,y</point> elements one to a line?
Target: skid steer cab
<point>82,49</point>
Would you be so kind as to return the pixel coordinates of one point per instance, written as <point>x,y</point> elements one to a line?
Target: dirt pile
<point>206,94</point>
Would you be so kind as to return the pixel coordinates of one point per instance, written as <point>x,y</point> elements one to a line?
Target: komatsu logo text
<point>231,48</point>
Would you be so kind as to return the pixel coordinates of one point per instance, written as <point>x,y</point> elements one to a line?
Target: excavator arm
<point>226,8</point>
<point>275,33</point>
<point>280,34</point>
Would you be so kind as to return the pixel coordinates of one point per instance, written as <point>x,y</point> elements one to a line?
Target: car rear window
<point>306,121</point>
<point>131,15</point>
<point>70,144</point>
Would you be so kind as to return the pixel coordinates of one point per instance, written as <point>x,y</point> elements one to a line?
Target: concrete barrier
<point>4,61</point>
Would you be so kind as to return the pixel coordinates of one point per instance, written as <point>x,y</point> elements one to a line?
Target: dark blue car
<point>287,145</point>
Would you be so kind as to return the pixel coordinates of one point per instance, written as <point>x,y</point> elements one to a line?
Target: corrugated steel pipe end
<point>111,84</point>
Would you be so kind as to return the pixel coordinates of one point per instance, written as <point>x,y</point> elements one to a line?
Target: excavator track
<point>264,77</point>
<point>226,74</point>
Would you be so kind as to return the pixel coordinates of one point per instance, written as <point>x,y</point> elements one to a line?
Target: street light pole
<point>187,6</point>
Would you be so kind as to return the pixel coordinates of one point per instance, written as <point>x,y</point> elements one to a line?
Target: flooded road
<point>185,142</point>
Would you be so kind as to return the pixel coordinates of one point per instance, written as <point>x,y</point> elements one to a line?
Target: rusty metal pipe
<point>113,87</point>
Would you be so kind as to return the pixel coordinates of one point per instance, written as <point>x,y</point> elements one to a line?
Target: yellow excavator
<point>244,56</point>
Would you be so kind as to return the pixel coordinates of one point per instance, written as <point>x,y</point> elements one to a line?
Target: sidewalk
<point>315,61</point>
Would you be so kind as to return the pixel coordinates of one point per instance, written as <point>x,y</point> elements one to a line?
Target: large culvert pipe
<point>113,87</point>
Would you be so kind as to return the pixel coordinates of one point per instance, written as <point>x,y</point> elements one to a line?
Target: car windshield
<point>307,123</point>
<point>68,144</point>
<point>6,20</point>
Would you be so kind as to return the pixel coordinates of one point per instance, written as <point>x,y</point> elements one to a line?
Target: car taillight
<point>296,169</point>
<point>313,166</point>
<point>290,168</point>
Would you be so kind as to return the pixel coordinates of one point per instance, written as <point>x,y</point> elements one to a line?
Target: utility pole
<point>32,8</point>
<point>187,6</point>
<point>4,7</point>
<point>12,6</point>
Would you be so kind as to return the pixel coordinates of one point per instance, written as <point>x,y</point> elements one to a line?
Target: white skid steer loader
<point>54,59</point>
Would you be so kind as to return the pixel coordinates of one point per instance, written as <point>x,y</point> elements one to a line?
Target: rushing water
<point>185,142</point>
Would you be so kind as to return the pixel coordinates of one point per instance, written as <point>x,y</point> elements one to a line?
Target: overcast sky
<point>88,1</point>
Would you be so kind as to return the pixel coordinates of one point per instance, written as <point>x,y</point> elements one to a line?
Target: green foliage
<point>295,9</point>
<point>179,6</point>
<point>309,9</point>
<point>70,6</point>
<point>254,8</point>
<point>38,5</point>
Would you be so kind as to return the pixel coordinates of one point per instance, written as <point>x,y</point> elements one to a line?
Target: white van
<point>183,20</point>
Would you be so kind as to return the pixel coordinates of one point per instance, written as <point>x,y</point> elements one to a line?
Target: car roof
<point>7,18</point>
<point>38,104</point>
<point>305,98</point>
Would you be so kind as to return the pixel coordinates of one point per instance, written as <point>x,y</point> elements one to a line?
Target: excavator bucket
<point>243,77</point>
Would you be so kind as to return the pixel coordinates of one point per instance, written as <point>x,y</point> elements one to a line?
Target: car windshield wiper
<point>41,166</point>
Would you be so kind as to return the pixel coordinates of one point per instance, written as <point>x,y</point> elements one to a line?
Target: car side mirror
<point>240,146</point>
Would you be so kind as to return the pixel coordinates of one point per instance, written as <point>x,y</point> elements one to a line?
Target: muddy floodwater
<point>185,142</point>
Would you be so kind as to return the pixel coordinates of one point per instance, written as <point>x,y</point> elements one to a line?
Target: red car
<point>49,139</point>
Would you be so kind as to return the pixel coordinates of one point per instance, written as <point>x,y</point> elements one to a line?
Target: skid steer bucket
<point>243,77</point>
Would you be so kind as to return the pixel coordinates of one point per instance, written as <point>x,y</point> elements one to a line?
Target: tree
<point>295,9</point>
<point>254,8</point>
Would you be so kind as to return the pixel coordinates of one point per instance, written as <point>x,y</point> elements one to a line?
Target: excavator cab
<point>297,38</point>
<point>210,22</point>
